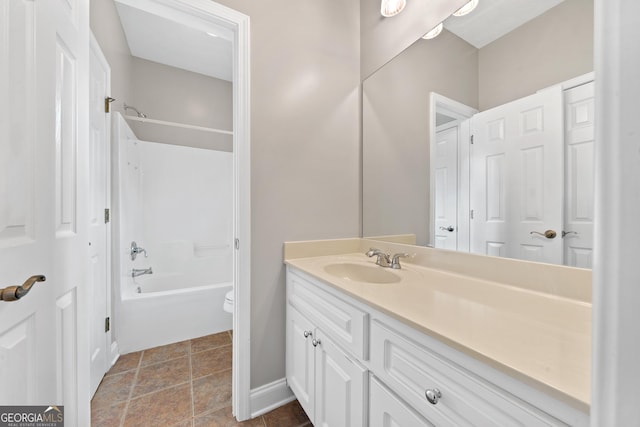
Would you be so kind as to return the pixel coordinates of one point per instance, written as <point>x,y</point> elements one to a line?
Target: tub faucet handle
<point>135,250</point>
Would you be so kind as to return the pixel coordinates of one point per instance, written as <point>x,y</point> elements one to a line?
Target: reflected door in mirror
<point>446,187</point>
<point>517,175</point>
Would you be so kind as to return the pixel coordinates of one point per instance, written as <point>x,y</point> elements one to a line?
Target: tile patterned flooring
<point>186,384</point>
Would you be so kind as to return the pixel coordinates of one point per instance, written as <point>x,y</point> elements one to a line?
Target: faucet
<point>395,260</point>
<point>383,259</point>
<point>139,272</point>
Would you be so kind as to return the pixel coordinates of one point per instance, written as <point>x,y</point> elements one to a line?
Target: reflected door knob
<point>449,228</point>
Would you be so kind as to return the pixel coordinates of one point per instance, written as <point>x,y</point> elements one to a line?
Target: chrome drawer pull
<point>307,334</point>
<point>315,342</point>
<point>432,395</point>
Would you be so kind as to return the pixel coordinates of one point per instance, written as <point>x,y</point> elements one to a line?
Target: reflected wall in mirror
<point>409,184</point>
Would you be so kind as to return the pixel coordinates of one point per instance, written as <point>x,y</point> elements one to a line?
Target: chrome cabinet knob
<point>307,334</point>
<point>432,395</point>
<point>315,342</point>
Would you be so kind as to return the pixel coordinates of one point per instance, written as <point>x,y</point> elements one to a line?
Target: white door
<point>99,223</point>
<point>340,386</point>
<point>579,184</point>
<point>446,188</point>
<point>517,179</point>
<point>300,359</point>
<point>43,133</point>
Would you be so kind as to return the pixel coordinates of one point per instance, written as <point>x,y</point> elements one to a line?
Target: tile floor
<point>186,384</point>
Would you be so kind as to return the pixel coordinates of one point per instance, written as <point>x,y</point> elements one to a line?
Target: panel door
<point>43,76</point>
<point>99,225</point>
<point>300,368</point>
<point>517,178</point>
<point>579,184</point>
<point>341,385</point>
<point>446,188</point>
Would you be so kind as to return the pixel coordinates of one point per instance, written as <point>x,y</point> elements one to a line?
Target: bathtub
<point>154,313</point>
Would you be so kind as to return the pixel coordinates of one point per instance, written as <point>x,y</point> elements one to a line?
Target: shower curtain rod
<point>179,125</point>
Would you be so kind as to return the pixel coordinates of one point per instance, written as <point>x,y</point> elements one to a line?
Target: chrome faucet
<point>140,271</point>
<point>383,259</point>
<point>395,260</point>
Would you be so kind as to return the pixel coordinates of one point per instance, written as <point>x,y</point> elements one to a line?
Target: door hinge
<point>107,324</point>
<point>107,101</point>
<point>107,215</point>
<point>237,243</point>
<point>471,214</point>
<point>471,139</point>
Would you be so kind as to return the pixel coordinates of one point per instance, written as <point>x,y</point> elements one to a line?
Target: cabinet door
<point>387,410</point>
<point>300,359</point>
<point>341,385</point>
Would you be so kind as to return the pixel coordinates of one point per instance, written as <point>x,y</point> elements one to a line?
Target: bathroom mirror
<point>502,60</point>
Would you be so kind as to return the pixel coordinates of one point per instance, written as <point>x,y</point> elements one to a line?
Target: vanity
<point>449,339</point>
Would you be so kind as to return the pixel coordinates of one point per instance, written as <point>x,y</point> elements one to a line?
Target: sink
<point>361,273</point>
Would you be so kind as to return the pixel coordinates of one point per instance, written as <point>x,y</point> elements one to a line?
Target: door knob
<point>433,395</point>
<point>549,234</point>
<point>564,233</point>
<point>14,293</point>
<point>449,228</point>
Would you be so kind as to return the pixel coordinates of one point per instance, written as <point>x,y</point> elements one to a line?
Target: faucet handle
<point>395,260</point>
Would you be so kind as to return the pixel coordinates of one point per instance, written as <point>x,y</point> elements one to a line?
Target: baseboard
<point>269,397</point>
<point>115,353</point>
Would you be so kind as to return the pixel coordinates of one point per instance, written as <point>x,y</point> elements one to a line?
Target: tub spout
<point>139,272</point>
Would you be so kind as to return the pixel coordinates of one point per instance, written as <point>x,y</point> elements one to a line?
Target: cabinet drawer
<point>347,325</point>
<point>410,368</point>
<point>387,410</point>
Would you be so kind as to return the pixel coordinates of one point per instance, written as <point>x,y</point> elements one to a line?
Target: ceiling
<point>158,39</point>
<point>493,19</point>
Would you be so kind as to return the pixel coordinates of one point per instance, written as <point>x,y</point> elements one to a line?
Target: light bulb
<point>467,8</point>
<point>389,8</point>
<point>434,33</point>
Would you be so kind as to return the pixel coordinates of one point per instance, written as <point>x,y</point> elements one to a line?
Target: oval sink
<point>361,273</point>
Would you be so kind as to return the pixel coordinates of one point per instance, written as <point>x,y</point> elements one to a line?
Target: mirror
<point>503,56</point>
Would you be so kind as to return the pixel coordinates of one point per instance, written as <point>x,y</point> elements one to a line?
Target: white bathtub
<point>161,314</point>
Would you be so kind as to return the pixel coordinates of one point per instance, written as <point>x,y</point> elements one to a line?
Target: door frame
<point>461,112</point>
<point>203,12</point>
<point>112,349</point>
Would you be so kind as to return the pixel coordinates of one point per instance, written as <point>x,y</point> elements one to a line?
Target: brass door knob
<point>14,293</point>
<point>549,234</point>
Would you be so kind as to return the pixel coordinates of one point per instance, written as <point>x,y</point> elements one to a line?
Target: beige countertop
<point>540,338</point>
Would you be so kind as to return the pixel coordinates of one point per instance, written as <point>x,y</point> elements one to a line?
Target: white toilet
<point>228,302</point>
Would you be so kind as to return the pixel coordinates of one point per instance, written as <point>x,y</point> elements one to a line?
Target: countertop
<point>540,338</point>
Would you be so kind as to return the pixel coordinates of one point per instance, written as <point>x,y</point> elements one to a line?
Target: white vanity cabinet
<point>351,365</point>
<point>330,384</point>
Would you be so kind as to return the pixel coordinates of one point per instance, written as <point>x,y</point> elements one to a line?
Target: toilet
<point>228,302</point>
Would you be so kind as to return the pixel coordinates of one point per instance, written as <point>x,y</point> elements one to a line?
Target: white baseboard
<point>270,396</point>
<point>115,353</point>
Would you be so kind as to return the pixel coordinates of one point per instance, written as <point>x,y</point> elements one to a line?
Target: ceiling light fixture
<point>467,8</point>
<point>434,33</point>
<point>389,8</point>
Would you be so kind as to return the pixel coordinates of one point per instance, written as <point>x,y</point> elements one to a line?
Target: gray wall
<point>175,95</point>
<point>396,130</point>
<point>305,152</point>
<point>382,38</point>
<point>105,25</point>
<point>554,47</point>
